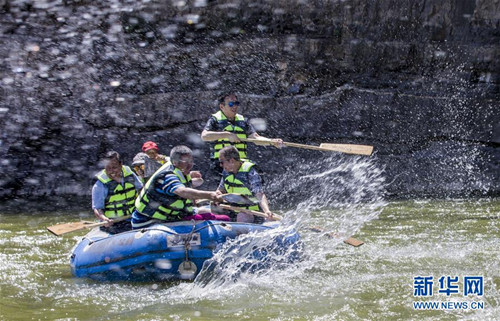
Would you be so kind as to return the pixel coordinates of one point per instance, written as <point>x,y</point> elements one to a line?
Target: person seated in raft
<point>154,160</point>
<point>114,192</point>
<point>241,177</point>
<point>168,194</point>
<point>138,164</point>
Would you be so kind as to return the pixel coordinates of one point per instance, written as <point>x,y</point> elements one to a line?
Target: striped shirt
<point>168,184</point>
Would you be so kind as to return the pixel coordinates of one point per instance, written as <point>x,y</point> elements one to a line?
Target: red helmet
<point>149,145</point>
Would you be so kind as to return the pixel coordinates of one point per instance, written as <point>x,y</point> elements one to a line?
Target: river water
<point>404,240</point>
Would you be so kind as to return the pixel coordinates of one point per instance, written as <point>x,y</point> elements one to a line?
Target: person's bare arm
<point>99,213</point>
<point>276,142</point>
<point>264,204</point>
<point>190,193</point>
<point>210,136</point>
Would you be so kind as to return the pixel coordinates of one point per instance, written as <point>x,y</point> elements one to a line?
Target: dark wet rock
<point>419,81</point>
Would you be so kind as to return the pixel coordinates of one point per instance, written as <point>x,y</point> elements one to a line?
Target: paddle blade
<point>237,199</point>
<point>354,242</point>
<point>349,148</point>
<point>64,228</point>
<point>351,241</point>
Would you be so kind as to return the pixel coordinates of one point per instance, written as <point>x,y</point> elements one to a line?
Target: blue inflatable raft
<point>162,252</point>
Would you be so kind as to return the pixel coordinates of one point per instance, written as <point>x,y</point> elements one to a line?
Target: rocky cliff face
<point>419,81</point>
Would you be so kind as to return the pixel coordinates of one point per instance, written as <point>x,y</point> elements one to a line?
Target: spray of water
<point>337,193</point>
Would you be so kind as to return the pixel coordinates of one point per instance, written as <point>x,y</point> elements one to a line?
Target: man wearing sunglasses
<point>226,127</point>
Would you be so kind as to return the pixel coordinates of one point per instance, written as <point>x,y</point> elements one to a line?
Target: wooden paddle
<point>64,228</point>
<point>276,217</point>
<point>238,199</point>
<point>351,241</point>
<point>342,148</point>
<point>244,200</point>
<point>349,148</point>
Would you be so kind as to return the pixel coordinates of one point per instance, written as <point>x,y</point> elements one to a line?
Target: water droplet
<point>260,124</point>
<point>33,48</point>
<point>213,84</point>
<point>163,264</point>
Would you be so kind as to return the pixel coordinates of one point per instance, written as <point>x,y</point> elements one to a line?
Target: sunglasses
<point>233,103</point>
<point>137,168</point>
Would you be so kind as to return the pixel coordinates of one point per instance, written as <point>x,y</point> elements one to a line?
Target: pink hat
<point>149,145</point>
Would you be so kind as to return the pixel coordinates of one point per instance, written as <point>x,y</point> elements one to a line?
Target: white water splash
<point>339,194</point>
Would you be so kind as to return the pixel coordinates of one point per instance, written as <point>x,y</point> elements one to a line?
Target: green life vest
<point>161,206</point>
<point>120,199</point>
<point>239,128</point>
<point>234,185</point>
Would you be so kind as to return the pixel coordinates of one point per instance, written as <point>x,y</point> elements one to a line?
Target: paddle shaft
<point>342,148</point>
<point>276,217</point>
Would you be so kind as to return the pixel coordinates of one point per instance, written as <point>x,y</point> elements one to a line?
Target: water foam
<point>337,193</point>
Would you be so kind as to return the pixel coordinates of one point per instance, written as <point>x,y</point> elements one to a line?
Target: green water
<point>335,281</point>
